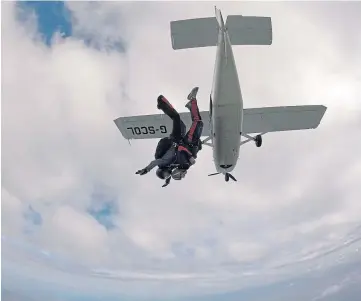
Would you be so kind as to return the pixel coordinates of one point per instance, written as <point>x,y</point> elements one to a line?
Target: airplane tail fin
<point>203,32</point>
<point>219,18</point>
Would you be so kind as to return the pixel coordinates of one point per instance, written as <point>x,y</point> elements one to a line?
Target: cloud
<point>244,252</point>
<point>11,209</point>
<point>297,196</point>
<point>83,237</point>
<point>331,290</point>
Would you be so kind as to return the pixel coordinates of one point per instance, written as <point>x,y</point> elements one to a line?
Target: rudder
<point>219,18</point>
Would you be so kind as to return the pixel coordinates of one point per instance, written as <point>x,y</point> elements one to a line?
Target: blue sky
<point>53,16</point>
<point>73,211</point>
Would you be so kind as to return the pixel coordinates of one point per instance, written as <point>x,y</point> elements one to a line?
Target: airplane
<point>228,120</point>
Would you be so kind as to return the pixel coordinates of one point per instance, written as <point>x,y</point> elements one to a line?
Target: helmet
<point>178,174</point>
<point>163,145</point>
<point>162,173</point>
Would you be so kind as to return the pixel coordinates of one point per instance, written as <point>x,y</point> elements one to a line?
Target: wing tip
<point>323,111</point>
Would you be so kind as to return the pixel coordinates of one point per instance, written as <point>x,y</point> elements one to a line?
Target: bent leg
<point>194,134</point>
<point>167,108</point>
<point>192,106</point>
<point>195,131</point>
<point>176,134</point>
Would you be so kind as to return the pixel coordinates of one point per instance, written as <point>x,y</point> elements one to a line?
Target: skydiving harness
<point>178,147</point>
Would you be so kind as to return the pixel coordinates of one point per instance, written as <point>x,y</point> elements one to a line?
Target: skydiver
<point>175,154</point>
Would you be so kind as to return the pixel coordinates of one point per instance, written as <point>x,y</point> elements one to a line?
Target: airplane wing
<point>278,119</point>
<point>155,126</point>
<point>256,120</point>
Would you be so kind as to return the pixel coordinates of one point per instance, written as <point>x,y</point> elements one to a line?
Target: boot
<point>164,105</point>
<point>191,96</point>
<point>193,93</point>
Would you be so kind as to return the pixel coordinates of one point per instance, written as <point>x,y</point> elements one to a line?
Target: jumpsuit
<point>183,146</point>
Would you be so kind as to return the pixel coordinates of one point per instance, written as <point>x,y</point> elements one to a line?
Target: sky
<point>78,224</point>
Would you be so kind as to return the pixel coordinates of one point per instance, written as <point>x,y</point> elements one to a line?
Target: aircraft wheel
<point>227,177</point>
<point>258,140</point>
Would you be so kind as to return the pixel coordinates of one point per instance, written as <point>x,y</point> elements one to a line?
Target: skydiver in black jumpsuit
<point>176,153</point>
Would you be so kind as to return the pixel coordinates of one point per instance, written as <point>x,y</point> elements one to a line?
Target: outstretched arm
<point>164,161</point>
<point>151,165</point>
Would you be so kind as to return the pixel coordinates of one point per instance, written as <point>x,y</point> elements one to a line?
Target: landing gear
<point>232,177</point>
<point>227,176</point>
<point>258,140</point>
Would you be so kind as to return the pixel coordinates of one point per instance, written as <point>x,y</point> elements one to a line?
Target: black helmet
<point>163,173</point>
<point>163,146</point>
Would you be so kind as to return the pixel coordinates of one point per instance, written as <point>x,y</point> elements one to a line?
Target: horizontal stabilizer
<point>194,33</point>
<point>256,120</point>
<point>249,30</point>
<point>203,32</point>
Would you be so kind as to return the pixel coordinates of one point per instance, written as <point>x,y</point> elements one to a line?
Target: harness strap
<point>183,148</point>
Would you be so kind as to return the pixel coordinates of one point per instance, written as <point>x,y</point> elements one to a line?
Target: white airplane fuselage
<point>226,107</point>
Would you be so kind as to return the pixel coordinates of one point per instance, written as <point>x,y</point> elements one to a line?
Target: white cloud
<point>244,252</point>
<point>11,214</point>
<point>331,290</point>
<point>77,234</point>
<point>59,141</point>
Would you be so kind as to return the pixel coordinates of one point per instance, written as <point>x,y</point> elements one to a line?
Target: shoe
<point>193,93</point>
<point>163,104</point>
<point>160,102</point>
<point>191,97</point>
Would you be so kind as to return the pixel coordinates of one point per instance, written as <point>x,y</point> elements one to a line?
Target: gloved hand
<point>142,171</point>
<point>166,182</point>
